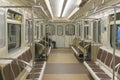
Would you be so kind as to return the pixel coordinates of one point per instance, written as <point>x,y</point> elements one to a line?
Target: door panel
<point>60,36</point>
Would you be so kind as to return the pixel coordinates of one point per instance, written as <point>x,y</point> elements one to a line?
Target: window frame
<point>50,28</point>
<point>67,29</point>
<point>17,34</point>
<point>60,30</point>
<point>117,44</point>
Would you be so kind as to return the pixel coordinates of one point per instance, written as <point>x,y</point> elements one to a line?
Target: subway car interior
<point>59,39</point>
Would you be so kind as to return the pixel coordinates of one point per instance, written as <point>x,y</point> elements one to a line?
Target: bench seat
<point>17,70</point>
<point>101,69</point>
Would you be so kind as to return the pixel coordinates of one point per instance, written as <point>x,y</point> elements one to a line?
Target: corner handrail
<point>20,61</point>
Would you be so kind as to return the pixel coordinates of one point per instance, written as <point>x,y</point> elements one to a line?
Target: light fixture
<point>49,7</point>
<point>69,7</point>
<point>73,12</point>
<point>78,2</point>
<point>62,8</point>
<point>57,6</point>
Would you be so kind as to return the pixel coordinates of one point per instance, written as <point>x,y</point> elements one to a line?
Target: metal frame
<point>31,37</point>
<point>114,7</point>
<point>18,60</point>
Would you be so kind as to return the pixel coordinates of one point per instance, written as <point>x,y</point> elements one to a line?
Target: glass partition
<point>60,30</point>
<point>70,29</point>
<point>50,28</point>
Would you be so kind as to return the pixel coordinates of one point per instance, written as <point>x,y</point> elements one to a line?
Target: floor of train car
<point>63,65</point>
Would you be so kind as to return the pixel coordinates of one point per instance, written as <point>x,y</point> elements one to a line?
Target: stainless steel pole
<point>33,43</point>
<point>114,45</point>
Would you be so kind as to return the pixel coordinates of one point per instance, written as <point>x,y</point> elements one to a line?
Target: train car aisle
<point>62,65</point>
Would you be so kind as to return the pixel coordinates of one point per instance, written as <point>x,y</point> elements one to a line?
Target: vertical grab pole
<point>46,41</point>
<point>33,44</point>
<point>114,45</point>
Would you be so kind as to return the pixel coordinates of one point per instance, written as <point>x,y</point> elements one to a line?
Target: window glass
<point>70,29</point>
<point>99,31</point>
<point>14,36</point>
<point>41,29</point>
<point>50,29</point>
<point>79,29</point>
<point>27,30</point>
<point>2,27</point>
<point>117,36</point>
<point>35,30</point>
<point>86,32</point>
<point>38,32</point>
<point>59,30</point>
<point>94,31</point>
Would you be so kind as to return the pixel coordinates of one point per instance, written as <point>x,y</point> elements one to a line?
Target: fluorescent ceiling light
<point>66,8</point>
<point>73,12</point>
<point>70,6</point>
<point>57,6</point>
<point>49,7</point>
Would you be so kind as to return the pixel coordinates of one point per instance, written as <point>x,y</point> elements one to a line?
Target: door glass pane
<point>59,30</point>
<point>70,29</point>
<point>50,29</point>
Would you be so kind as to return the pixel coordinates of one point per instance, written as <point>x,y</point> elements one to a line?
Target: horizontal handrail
<point>117,67</point>
<point>18,60</point>
<point>86,45</point>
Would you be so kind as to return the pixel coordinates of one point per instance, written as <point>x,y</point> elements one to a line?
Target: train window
<point>59,30</point>
<point>36,30</point>
<point>50,29</point>
<point>117,36</point>
<point>14,15</point>
<point>86,32</point>
<point>70,29</point>
<point>94,31</point>
<point>27,31</point>
<point>80,30</point>
<point>117,16</point>
<point>2,27</point>
<point>99,31</point>
<point>41,29</point>
<point>14,36</point>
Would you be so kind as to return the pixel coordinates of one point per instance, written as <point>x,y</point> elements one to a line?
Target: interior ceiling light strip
<point>49,7</point>
<point>73,12</point>
<point>57,6</point>
<point>69,7</point>
<point>78,2</point>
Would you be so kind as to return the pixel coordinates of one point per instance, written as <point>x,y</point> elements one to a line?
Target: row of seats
<point>82,50</point>
<point>102,68</point>
<point>42,50</point>
<point>16,70</point>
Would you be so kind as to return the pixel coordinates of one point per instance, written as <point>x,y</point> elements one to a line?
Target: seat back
<point>21,64</point>
<point>7,72</point>
<point>103,56</point>
<point>15,68</point>
<point>99,53</point>
<point>1,77</point>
